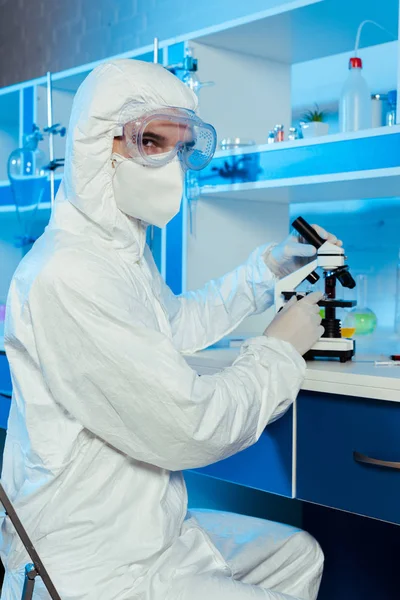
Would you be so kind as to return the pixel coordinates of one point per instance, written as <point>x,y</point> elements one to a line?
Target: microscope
<point>331,260</point>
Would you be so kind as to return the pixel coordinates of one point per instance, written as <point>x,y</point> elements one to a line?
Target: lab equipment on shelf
<point>238,167</point>
<point>235,143</point>
<point>378,104</point>
<point>271,137</point>
<point>187,71</point>
<point>362,319</point>
<point>279,133</point>
<point>293,134</point>
<point>331,259</point>
<point>355,100</point>
<point>355,106</point>
<point>28,170</point>
<point>392,108</point>
<point>28,175</point>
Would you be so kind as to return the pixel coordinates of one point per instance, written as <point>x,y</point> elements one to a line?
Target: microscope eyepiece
<point>308,232</point>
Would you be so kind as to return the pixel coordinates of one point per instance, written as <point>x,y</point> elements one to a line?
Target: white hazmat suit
<point>106,412</point>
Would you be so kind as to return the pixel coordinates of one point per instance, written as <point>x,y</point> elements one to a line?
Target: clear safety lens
<point>159,136</point>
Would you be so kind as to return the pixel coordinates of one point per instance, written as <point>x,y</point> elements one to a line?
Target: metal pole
<point>155,60</point>
<point>51,135</point>
<point>156,47</point>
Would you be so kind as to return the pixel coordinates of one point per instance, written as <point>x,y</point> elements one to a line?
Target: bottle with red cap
<point>355,100</point>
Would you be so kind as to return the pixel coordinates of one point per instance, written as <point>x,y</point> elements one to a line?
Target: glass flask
<point>361,320</point>
<point>28,175</point>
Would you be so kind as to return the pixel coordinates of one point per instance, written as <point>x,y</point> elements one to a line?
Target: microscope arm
<point>291,282</point>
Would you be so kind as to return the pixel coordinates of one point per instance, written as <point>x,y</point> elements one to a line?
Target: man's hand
<point>299,323</point>
<point>293,253</point>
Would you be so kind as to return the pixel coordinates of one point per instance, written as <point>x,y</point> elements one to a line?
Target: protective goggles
<point>159,134</point>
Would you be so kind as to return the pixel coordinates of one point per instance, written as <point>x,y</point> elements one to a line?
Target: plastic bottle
<point>355,100</point>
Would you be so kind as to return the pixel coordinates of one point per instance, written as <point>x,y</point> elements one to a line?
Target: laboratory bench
<point>338,445</point>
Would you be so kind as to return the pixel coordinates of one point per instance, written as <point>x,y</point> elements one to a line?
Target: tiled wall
<point>43,35</point>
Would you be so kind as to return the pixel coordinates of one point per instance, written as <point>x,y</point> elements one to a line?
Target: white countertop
<point>358,377</point>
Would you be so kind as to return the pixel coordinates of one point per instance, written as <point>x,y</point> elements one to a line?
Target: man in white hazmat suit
<point>105,411</point>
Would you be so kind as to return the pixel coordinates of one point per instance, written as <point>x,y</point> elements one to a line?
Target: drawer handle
<point>362,458</point>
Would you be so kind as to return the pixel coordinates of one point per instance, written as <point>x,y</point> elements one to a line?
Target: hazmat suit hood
<point>87,182</point>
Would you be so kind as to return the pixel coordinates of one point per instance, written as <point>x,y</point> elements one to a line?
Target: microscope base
<point>340,348</point>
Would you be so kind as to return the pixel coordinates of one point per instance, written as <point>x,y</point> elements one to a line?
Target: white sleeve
<point>201,318</point>
<point>127,384</point>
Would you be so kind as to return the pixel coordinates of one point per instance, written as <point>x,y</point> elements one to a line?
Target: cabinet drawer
<point>265,466</point>
<point>339,439</point>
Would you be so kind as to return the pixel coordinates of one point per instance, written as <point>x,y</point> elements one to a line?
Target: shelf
<point>10,208</point>
<point>353,166</point>
<point>321,81</point>
<point>317,141</point>
<point>319,29</point>
<point>7,205</point>
<point>378,183</point>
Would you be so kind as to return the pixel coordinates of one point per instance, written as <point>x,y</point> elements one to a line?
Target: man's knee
<point>309,550</point>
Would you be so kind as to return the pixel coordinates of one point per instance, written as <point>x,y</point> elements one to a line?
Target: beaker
<point>361,319</point>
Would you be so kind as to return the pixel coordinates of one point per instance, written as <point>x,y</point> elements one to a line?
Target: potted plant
<point>312,124</point>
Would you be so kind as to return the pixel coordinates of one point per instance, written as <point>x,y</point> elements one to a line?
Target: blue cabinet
<point>265,466</point>
<point>5,390</point>
<point>339,439</point>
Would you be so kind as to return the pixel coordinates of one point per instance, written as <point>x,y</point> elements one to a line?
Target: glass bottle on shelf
<point>361,320</point>
<point>391,114</point>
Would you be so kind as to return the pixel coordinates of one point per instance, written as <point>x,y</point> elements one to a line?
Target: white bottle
<point>355,100</point>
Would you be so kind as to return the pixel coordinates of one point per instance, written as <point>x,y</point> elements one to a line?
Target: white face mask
<point>150,194</point>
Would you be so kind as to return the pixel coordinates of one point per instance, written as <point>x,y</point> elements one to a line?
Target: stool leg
<point>37,567</point>
<point>29,583</point>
